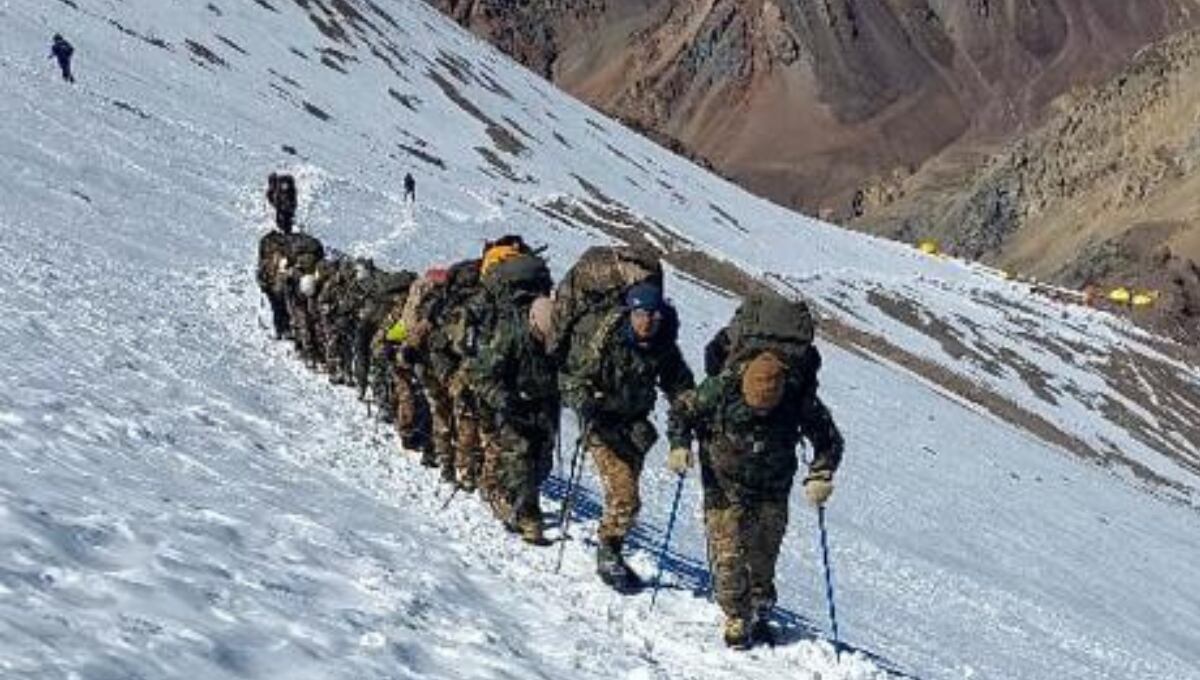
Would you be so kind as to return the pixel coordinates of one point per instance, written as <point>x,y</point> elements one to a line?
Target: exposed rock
<point>1102,193</point>
<point>804,101</point>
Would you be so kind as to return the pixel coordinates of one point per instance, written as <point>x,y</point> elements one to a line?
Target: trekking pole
<point>564,519</point>
<point>662,554</point>
<point>446,503</point>
<point>828,573</point>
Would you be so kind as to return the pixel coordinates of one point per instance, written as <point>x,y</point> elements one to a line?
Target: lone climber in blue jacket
<point>61,50</point>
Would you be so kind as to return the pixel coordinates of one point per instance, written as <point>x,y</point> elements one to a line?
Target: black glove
<point>410,355</point>
<point>588,411</point>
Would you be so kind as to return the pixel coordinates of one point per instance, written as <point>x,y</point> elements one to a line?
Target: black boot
<point>761,632</point>
<point>611,568</point>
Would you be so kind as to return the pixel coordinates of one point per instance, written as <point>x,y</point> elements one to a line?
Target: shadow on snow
<point>690,573</point>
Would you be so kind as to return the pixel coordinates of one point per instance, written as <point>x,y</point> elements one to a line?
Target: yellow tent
<point>1120,295</point>
<point>929,246</point>
<point>1145,299</point>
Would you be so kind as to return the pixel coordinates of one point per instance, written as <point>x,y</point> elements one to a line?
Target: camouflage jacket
<point>393,316</point>
<point>449,320</point>
<point>512,375</point>
<point>272,249</point>
<point>613,379</point>
<point>752,456</point>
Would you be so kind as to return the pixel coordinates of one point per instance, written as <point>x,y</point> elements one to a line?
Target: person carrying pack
<point>338,304</point>
<point>392,348</point>
<point>409,336</point>
<point>281,196</point>
<point>371,371</point>
<point>611,381</point>
<point>595,286</point>
<point>272,276</point>
<point>515,381</point>
<point>304,253</point>
<point>446,341</point>
<point>749,417</point>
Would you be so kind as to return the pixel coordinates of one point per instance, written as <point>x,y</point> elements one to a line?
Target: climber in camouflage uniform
<point>612,384</point>
<point>392,349</point>
<point>338,303</point>
<point>515,381</point>
<point>273,263</point>
<point>446,339</point>
<point>750,417</point>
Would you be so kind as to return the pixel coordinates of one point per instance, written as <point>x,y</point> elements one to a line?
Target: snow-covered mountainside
<point>180,498</point>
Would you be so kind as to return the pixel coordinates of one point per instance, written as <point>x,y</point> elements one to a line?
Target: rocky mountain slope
<point>1104,192</point>
<point>803,102</point>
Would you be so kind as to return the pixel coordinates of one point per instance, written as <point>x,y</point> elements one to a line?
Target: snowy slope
<point>178,498</point>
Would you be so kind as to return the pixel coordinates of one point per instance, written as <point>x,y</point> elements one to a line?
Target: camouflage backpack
<point>272,249</point>
<point>281,192</point>
<point>448,309</point>
<point>595,286</point>
<point>522,277</point>
<point>767,321</point>
<point>304,252</point>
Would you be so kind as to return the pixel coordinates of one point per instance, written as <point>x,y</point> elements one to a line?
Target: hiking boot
<point>612,570</point>
<point>736,636</point>
<point>466,482</point>
<point>429,460</point>
<point>762,632</point>
<point>531,532</point>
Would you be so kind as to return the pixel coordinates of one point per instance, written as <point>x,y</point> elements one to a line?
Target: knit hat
<point>763,382</point>
<point>645,296</point>
<point>541,318</point>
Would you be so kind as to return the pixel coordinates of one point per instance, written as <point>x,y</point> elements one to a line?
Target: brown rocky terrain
<point>1104,192</point>
<point>804,101</point>
<point>894,116</point>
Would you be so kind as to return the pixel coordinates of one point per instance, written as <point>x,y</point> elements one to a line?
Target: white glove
<point>818,486</point>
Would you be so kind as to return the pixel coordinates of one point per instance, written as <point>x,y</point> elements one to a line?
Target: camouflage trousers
<point>517,458</point>
<point>743,543</point>
<point>619,471</point>
<point>304,330</point>
<point>441,413</point>
<point>404,396</point>
<point>281,322</point>
<point>468,433</point>
<point>336,336</point>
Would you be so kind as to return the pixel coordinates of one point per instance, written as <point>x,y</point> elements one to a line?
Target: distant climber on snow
<point>62,50</point>
<point>410,188</point>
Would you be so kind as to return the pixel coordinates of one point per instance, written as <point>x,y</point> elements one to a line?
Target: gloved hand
<point>588,410</point>
<point>680,460</point>
<point>818,486</point>
<point>409,355</point>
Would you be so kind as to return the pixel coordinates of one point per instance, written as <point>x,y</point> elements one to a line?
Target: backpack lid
<point>770,316</point>
<point>528,273</point>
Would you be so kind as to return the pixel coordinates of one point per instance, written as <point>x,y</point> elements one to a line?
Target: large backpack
<point>272,249</point>
<point>304,252</point>
<point>520,277</point>
<point>595,286</point>
<point>281,192</point>
<point>765,321</point>
<point>448,310</point>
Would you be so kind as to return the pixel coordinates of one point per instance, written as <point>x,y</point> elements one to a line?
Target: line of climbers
<point>473,362</point>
